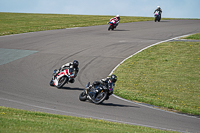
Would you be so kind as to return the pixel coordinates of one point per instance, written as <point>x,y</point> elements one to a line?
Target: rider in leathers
<point>158,9</point>
<point>73,69</point>
<point>108,82</point>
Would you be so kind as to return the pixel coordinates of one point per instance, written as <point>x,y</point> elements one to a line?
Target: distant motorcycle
<point>157,16</point>
<point>61,78</point>
<point>96,93</point>
<point>112,24</point>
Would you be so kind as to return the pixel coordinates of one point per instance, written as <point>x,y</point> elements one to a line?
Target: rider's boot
<point>71,80</point>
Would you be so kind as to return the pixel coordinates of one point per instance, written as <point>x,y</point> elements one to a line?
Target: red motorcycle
<point>112,24</point>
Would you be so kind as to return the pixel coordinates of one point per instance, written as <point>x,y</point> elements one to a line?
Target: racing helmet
<point>113,78</point>
<point>75,63</point>
<point>118,17</point>
<point>158,6</point>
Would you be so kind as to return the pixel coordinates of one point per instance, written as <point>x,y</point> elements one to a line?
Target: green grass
<point>15,23</point>
<point>15,120</point>
<point>193,37</point>
<point>165,75</point>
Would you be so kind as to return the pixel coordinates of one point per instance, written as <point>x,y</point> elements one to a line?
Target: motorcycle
<point>112,24</point>
<point>157,16</point>
<point>96,93</point>
<point>60,79</point>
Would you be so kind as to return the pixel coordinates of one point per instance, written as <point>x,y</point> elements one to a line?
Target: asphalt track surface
<point>25,76</point>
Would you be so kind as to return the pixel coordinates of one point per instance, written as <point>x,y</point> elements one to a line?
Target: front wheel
<point>51,83</point>
<point>100,97</point>
<point>83,96</point>
<point>109,27</point>
<point>155,19</point>
<point>62,82</point>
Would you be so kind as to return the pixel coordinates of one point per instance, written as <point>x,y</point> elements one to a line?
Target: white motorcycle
<point>61,78</point>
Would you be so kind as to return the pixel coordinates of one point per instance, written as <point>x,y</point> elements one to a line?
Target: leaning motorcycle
<point>112,24</point>
<point>96,93</point>
<point>157,16</point>
<point>60,79</point>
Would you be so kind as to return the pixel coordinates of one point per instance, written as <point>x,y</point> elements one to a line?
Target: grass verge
<point>15,120</point>
<point>193,37</point>
<point>165,75</point>
<point>15,23</point>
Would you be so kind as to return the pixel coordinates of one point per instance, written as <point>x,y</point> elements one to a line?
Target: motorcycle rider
<point>73,69</point>
<point>158,9</point>
<point>109,82</point>
<point>116,19</point>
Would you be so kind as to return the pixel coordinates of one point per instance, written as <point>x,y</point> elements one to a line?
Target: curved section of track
<point>25,80</point>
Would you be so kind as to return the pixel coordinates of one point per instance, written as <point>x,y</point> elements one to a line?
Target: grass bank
<point>15,23</point>
<point>14,120</point>
<point>165,75</point>
<point>193,37</point>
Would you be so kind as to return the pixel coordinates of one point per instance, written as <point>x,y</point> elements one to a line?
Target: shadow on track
<point>118,105</point>
<point>69,88</point>
<point>164,21</point>
<point>120,30</point>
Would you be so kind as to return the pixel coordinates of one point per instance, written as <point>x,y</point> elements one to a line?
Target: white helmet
<point>158,6</point>
<point>117,16</point>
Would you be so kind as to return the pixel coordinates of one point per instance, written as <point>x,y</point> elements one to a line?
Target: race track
<point>28,60</point>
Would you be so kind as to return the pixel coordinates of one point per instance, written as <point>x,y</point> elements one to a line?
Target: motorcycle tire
<point>158,19</point>
<point>62,82</point>
<point>83,96</point>
<point>51,83</point>
<point>109,27</point>
<point>100,97</point>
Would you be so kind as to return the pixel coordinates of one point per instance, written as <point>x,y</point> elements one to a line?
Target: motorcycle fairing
<point>62,73</point>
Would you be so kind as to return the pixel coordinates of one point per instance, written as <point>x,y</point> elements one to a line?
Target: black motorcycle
<point>157,16</point>
<point>97,92</point>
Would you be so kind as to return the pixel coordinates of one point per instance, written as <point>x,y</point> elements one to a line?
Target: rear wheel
<point>61,82</point>
<point>100,97</point>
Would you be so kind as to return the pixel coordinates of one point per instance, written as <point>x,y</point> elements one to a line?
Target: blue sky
<point>145,8</point>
